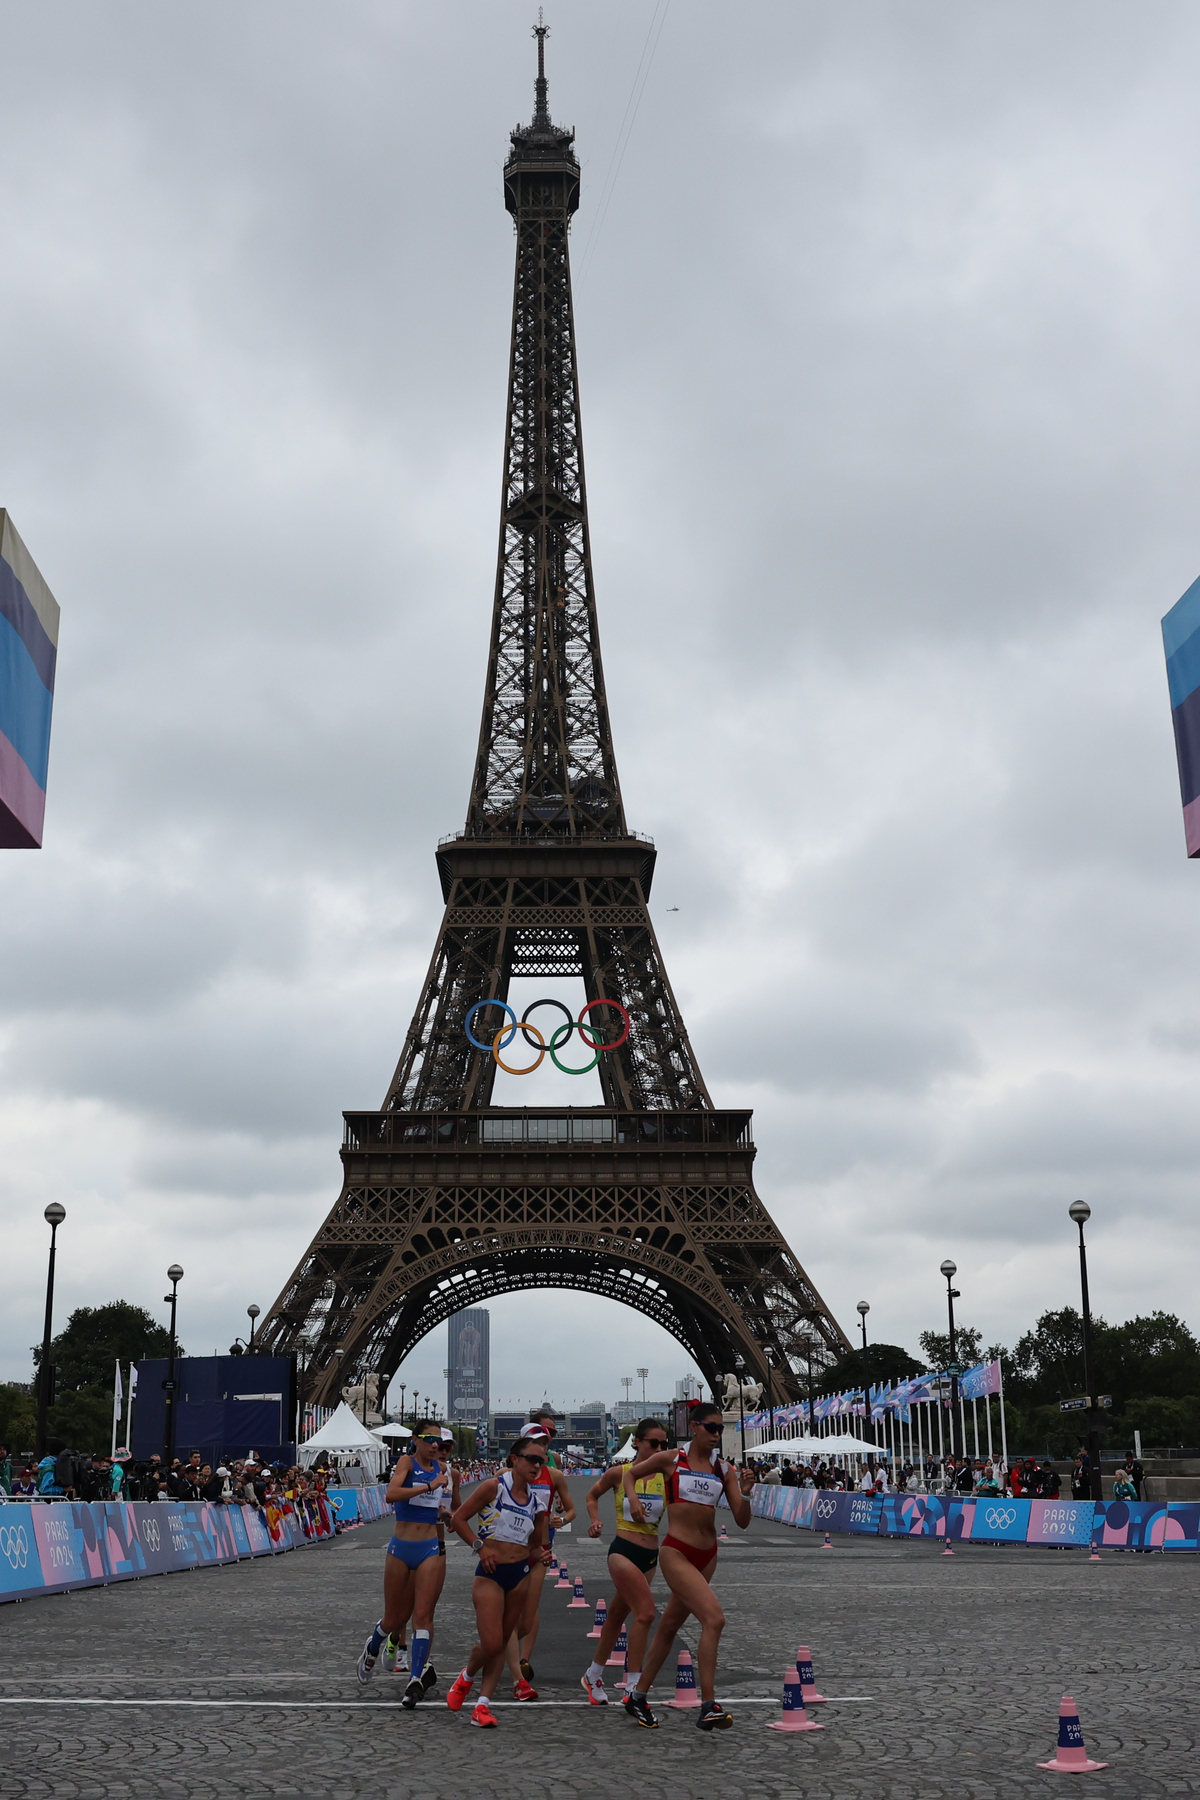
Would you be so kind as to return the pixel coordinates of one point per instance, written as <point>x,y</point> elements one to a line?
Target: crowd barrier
<point>1120,1524</point>
<point>50,1549</point>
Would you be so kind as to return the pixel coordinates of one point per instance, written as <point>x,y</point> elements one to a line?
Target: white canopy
<point>344,1432</point>
<point>392,1431</point>
<point>807,1449</point>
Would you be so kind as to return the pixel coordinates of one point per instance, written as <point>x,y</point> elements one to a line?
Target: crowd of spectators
<point>1027,1477</point>
<point>248,1480</point>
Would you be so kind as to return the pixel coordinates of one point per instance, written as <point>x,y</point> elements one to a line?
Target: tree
<point>879,1363</point>
<point>968,1343</point>
<point>96,1337</point>
<point>18,1418</point>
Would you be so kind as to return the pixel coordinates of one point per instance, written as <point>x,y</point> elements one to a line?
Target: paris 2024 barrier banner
<point>1117,1524</point>
<point>50,1549</point>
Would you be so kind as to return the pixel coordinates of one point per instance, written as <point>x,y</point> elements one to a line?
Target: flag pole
<point>118,1396</point>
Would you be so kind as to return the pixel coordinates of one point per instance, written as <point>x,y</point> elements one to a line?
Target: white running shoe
<point>594,1691</point>
<point>366,1662</point>
<point>388,1655</point>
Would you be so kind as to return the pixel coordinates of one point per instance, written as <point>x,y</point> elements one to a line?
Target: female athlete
<point>517,1537</point>
<point>696,1479</point>
<point>632,1560</point>
<point>413,1571</point>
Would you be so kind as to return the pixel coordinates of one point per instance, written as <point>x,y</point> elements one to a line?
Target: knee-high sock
<point>419,1654</point>
<point>377,1637</point>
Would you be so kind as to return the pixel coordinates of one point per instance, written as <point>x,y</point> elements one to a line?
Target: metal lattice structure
<point>649,1198</point>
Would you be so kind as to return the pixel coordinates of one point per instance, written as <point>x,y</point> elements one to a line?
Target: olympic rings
<point>478,1007</point>
<point>589,1030</point>
<point>14,1546</point>
<point>541,1056</point>
<point>556,1038</point>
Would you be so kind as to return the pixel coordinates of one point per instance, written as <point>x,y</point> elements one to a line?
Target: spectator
<point>1134,1472</point>
<point>772,1476</point>
<point>1123,1486</point>
<point>1081,1477</point>
<point>790,1477</point>
<point>867,1484</point>
<point>964,1480</point>
<point>988,1485</point>
<point>1050,1483</point>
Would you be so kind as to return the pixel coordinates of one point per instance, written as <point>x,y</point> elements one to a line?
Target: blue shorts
<point>414,1551</point>
<point>505,1575</point>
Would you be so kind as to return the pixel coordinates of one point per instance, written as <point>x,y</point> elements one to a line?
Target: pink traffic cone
<point>794,1717</point>
<point>598,1622</point>
<point>617,1659</point>
<point>724,1535</point>
<point>807,1679</point>
<point>578,1598</point>
<point>828,1544</point>
<point>685,1682</point>
<point>564,1580</point>
<point>1070,1758</point>
<point>1095,1556</point>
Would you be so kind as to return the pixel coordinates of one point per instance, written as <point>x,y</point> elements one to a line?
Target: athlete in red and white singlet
<point>696,1480</point>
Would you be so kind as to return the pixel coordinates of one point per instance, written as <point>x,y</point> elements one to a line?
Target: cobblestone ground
<point>950,1671</point>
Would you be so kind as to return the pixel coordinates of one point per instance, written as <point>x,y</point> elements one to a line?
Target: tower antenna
<point>541,110</point>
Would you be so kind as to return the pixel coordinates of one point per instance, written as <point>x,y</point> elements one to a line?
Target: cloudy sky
<point>890,375</point>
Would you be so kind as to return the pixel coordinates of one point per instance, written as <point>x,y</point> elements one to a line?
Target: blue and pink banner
<point>29,616</point>
<point>1181,641</point>
<point>1118,1524</point>
<point>50,1549</point>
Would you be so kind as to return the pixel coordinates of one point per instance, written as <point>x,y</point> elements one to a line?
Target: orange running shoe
<point>459,1689</point>
<point>483,1715</point>
<point>524,1690</point>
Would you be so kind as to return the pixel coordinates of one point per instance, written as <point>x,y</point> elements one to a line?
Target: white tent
<point>346,1435</point>
<point>808,1449</point>
<point>392,1431</point>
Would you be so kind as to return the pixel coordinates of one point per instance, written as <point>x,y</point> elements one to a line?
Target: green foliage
<point>968,1344</point>
<point>82,1418</point>
<point>880,1362</point>
<point>96,1337</point>
<point>18,1419</point>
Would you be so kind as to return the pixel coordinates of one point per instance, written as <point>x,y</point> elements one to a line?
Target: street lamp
<point>174,1276</point>
<point>54,1216</point>
<point>252,1313</point>
<point>740,1366</point>
<point>950,1270</point>
<point>769,1355</point>
<point>402,1385</point>
<point>1081,1212</point>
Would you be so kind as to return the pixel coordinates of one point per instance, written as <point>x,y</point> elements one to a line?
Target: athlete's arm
<point>563,1494</point>
<point>396,1489</point>
<point>738,1483</point>
<point>591,1499</point>
<point>476,1500</point>
<point>539,1540</point>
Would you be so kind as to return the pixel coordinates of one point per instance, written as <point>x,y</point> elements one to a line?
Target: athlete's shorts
<point>553,1529</point>
<point>642,1556</point>
<point>699,1559</point>
<point>505,1575</point>
<point>413,1551</point>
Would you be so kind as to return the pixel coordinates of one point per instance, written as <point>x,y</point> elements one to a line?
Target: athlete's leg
<point>530,1617</point>
<point>690,1593</point>
<point>509,1619</point>
<point>428,1585</point>
<point>637,1606</point>
<point>398,1592</point>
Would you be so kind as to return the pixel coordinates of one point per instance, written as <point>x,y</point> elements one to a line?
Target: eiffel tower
<point>649,1198</point>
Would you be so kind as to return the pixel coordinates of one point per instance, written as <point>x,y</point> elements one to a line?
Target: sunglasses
<point>655,1443</point>
<point>430,1440</point>
<point>711,1425</point>
<point>537,1462</point>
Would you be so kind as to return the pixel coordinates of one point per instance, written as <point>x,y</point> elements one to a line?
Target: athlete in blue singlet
<point>413,1570</point>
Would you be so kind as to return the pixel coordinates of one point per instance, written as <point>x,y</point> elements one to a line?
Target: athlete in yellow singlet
<point>632,1560</point>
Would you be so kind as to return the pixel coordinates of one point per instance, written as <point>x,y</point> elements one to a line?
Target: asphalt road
<point>944,1674</point>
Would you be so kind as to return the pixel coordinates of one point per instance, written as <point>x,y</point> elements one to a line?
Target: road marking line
<point>359,1705</point>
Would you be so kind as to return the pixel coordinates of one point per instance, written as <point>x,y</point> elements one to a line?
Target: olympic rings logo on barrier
<point>14,1546</point>
<point>825,1509</point>
<point>1000,1517</point>
<point>589,1032</point>
<point>150,1534</point>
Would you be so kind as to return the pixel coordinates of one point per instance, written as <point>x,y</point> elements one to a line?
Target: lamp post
<point>1081,1212</point>
<point>252,1313</point>
<point>402,1385</point>
<point>950,1270</point>
<point>740,1367</point>
<point>862,1309</point>
<point>769,1356</point>
<point>174,1276</point>
<point>54,1216</point>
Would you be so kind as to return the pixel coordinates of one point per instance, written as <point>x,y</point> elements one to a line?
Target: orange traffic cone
<point>807,1679</point>
<point>1070,1758</point>
<point>685,1682</point>
<point>578,1598</point>
<point>598,1622</point>
<point>794,1717</point>
<point>617,1659</point>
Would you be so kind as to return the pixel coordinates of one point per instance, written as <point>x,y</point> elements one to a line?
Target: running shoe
<point>388,1655</point>
<point>637,1707</point>
<point>594,1691</point>
<point>366,1662</point>
<point>428,1677</point>
<point>713,1717</point>
<point>402,1660</point>
<point>413,1692</point>
<point>524,1690</point>
<point>460,1687</point>
<point>526,1669</point>
<point>483,1715</point>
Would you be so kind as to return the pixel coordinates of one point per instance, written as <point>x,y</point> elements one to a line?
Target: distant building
<point>628,1412</point>
<point>689,1388</point>
<point>467,1379</point>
